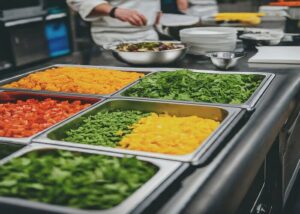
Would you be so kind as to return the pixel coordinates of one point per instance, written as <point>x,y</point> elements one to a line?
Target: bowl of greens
<point>149,52</point>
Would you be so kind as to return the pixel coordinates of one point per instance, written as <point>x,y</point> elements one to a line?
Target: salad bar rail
<point>246,164</point>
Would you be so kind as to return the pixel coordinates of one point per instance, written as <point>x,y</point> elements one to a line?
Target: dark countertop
<point>219,186</point>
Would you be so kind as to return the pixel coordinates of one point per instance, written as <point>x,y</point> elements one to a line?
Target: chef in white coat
<point>121,20</point>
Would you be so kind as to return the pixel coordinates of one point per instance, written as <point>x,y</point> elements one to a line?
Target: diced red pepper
<point>26,118</point>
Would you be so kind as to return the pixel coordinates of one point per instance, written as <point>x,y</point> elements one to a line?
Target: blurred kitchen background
<point>32,31</point>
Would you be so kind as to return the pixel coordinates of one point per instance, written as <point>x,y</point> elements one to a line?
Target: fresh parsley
<point>186,85</point>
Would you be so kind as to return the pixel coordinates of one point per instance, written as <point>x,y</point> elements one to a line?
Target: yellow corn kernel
<point>168,134</point>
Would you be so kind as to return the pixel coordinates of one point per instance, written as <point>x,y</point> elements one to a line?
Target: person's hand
<point>131,16</point>
<point>182,5</point>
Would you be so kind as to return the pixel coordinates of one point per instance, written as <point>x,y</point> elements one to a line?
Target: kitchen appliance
<point>22,32</point>
<point>16,9</point>
<point>24,40</point>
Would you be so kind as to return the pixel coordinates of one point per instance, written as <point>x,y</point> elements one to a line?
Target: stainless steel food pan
<point>249,104</point>
<point>19,77</point>
<point>166,170</point>
<point>226,115</point>
<point>13,96</point>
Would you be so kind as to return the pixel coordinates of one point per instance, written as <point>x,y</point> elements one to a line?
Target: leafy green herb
<point>199,87</point>
<point>73,179</point>
<point>148,46</point>
<point>105,128</point>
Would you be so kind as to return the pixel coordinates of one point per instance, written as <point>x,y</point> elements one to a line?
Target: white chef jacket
<point>106,30</point>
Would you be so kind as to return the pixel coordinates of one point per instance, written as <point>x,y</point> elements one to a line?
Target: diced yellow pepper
<point>169,134</point>
<point>77,80</point>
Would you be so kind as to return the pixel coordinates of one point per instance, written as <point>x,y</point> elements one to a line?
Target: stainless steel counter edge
<point>166,169</point>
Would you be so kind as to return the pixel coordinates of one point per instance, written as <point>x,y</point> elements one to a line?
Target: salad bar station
<point>120,139</point>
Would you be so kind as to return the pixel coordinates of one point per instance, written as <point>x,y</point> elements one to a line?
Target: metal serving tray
<point>7,149</point>
<point>166,170</point>
<point>12,96</point>
<point>224,114</point>
<point>18,77</point>
<point>249,104</point>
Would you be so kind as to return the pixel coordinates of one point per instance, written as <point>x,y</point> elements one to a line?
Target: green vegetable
<point>148,46</point>
<point>199,87</point>
<point>105,128</point>
<point>73,179</point>
<point>8,149</point>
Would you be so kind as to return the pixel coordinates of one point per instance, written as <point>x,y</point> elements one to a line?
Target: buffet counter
<point>252,167</point>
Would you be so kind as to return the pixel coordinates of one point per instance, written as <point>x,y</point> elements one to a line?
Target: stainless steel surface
<point>225,60</point>
<point>18,77</point>
<point>166,169</point>
<point>151,57</point>
<point>224,115</point>
<point>13,96</point>
<point>249,104</point>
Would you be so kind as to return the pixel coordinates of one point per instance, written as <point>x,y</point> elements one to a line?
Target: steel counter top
<point>213,187</point>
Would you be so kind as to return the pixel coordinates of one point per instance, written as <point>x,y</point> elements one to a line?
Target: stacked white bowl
<point>209,39</point>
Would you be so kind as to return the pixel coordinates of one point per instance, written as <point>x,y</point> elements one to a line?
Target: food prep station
<point>196,122</point>
<point>232,170</point>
